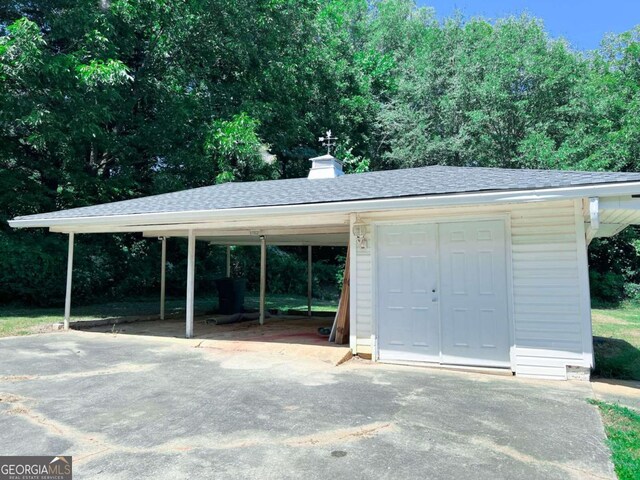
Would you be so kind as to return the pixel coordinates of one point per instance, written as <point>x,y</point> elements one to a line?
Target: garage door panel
<point>488,327</point>
<point>424,327</point>
<point>421,273</point>
<point>395,271</point>
<point>393,238</point>
<point>442,293</point>
<point>479,331</point>
<point>458,283</point>
<point>395,325</point>
<point>457,236</point>
<point>407,274</point>
<point>484,235</point>
<point>418,238</point>
<point>460,325</point>
<point>485,271</point>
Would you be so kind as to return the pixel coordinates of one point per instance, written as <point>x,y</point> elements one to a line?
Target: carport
<point>330,235</point>
<point>279,213</point>
<point>252,232</point>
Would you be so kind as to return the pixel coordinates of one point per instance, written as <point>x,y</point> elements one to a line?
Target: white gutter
<point>514,196</point>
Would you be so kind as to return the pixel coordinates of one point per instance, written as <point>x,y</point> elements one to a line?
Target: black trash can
<point>231,295</point>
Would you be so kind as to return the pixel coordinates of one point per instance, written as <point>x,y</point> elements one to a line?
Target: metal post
<point>263,275</point>
<point>309,278</point>
<point>228,261</point>
<point>191,271</point>
<point>67,298</point>
<point>163,270</point>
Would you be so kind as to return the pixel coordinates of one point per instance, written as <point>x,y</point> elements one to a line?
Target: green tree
<point>476,93</point>
<point>110,100</point>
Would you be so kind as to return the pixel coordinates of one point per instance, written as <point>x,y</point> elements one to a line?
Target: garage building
<point>457,266</point>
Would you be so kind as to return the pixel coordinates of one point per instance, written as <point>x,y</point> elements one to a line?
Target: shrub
<point>607,287</point>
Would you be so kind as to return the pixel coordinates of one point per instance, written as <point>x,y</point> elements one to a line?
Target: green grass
<point>22,320</point>
<point>290,302</point>
<point>617,348</point>
<point>622,426</point>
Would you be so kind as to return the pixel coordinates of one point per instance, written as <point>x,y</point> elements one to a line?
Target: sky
<point>582,22</point>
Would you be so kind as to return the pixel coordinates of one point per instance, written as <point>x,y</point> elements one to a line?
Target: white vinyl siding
<point>364,295</point>
<point>550,324</point>
<point>547,290</point>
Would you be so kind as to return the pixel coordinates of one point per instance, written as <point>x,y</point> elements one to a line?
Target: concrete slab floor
<point>285,335</point>
<point>142,407</point>
<point>284,329</point>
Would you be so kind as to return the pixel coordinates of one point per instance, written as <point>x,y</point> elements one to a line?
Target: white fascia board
<point>620,203</point>
<point>293,230</point>
<point>277,243</point>
<point>426,201</point>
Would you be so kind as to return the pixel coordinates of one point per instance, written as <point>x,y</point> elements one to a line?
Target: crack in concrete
<point>341,434</point>
<point>328,437</point>
<point>78,437</point>
<point>10,398</point>
<point>94,444</point>
<point>573,471</point>
<point>16,378</point>
<point>19,408</point>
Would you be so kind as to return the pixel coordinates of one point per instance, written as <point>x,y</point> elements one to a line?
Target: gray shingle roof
<point>434,180</point>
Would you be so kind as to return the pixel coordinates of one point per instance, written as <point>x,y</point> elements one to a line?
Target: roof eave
<point>351,206</point>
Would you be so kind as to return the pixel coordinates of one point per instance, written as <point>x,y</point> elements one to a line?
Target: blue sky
<point>582,23</point>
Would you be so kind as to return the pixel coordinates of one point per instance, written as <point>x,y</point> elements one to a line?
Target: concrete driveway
<point>134,407</point>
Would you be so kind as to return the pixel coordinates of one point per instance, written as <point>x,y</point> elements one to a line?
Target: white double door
<point>442,293</point>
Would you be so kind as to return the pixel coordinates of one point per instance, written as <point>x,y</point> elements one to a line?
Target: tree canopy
<point>103,100</point>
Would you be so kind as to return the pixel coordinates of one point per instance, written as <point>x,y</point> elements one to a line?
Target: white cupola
<point>326,166</point>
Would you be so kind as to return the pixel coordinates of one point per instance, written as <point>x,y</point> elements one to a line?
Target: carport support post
<point>228,261</point>
<point>309,277</point>
<point>67,298</point>
<point>263,275</point>
<point>191,272</point>
<point>163,271</point>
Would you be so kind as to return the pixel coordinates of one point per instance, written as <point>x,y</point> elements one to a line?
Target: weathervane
<point>328,141</point>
